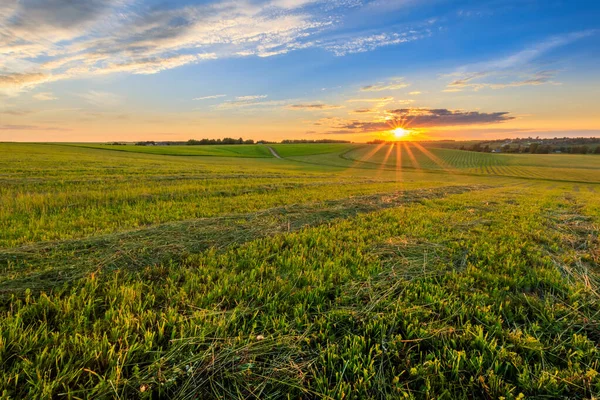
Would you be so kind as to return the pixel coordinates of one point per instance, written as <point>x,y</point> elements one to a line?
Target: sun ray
<point>372,152</point>
<point>412,157</point>
<point>383,163</point>
<point>441,163</point>
<point>398,163</point>
<point>365,157</point>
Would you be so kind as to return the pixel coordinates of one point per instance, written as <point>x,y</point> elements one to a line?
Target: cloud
<point>16,113</point>
<point>312,107</point>
<point>379,87</point>
<point>422,118</point>
<point>249,102</point>
<point>527,79</point>
<point>291,4</point>
<point>14,82</point>
<point>428,117</point>
<point>63,39</point>
<point>372,100</point>
<point>73,39</point>
<point>36,25</point>
<point>9,127</point>
<point>215,96</point>
<point>363,111</point>
<point>152,65</point>
<point>415,93</point>
<point>533,52</point>
<point>371,42</point>
<point>44,96</point>
<point>515,70</point>
<point>101,99</point>
<point>250,98</point>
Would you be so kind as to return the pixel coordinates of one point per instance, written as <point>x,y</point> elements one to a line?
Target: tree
<point>533,148</point>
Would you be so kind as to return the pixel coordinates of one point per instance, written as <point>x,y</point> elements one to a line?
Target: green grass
<point>233,150</point>
<point>567,167</point>
<point>131,275</point>
<point>295,150</point>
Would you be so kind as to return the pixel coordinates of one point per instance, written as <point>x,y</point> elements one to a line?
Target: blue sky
<point>104,70</point>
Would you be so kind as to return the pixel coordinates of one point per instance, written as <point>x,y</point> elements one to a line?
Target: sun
<point>400,132</point>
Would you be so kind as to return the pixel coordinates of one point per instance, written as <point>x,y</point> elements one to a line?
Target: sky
<point>128,70</point>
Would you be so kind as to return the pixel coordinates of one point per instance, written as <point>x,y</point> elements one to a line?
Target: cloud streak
<point>312,107</point>
<point>380,87</point>
<point>9,127</point>
<point>422,118</point>
<point>363,44</point>
<point>44,96</point>
<point>62,39</point>
<point>215,96</point>
<point>515,70</point>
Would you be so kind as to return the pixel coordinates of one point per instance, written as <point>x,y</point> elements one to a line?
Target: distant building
<point>496,151</point>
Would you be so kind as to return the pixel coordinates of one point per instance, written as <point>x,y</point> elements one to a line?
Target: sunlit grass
<point>209,277</point>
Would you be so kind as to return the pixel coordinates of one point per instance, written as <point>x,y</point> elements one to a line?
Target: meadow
<point>339,271</point>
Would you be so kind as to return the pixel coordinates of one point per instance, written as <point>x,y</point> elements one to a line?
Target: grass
<point>313,276</point>
<point>295,150</point>
<point>233,150</point>
<point>542,166</point>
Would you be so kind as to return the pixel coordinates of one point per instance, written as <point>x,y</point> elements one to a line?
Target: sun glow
<point>400,132</point>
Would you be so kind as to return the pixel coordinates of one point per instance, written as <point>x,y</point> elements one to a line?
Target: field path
<point>274,152</point>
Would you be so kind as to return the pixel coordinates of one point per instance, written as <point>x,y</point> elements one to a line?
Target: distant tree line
<point>537,146</point>
<point>291,141</point>
<point>533,148</point>
<point>204,142</point>
<point>145,143</point>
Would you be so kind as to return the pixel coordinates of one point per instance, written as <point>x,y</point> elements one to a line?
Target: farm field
<point>339,271</point>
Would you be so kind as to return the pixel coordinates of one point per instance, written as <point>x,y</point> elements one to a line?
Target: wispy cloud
<point>396,84</point>
<point>44,96</point>
<point>101,99</point>
<point>250,101</point>
<point>372,100</point>
<point>151,65</point>
<point>516,70</point>
<point>526,79</point>
<point>61,39</point>
<point>251,97</point>
<point>79,39</point>
<point>12,83</point>
<point>312,107</point>
<point>15,112</point>
<point>9,127</point>
<point>371,42</point>
<point>215,96</point>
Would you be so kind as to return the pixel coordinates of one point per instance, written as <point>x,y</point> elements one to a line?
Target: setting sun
<point>400,132</point>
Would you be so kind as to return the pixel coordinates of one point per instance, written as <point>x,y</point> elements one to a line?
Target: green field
<point>235,150</point>
<point>339,271</point>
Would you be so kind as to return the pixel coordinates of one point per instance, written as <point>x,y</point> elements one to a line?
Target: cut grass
<point>339,318</point>
<point>46,265</point>
<point>230,150</point>
<point>305,281</point>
